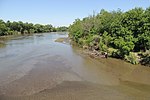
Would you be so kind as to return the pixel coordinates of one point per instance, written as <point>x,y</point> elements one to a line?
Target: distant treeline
<point>15,28</point>
<point>122,34</point>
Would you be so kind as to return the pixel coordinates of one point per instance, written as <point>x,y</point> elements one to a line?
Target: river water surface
<point>38,68</point>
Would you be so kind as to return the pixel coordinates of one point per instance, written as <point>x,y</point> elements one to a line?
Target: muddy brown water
<point>38,68</point>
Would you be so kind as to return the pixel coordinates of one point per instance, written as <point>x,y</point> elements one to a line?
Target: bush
<point>81,42</point>
<point>111,50</point>
<point>146,61</point>
<point>102,46</point>
<point>146,58</point>
<point>132,58</point>
<point>89,40</point>
<point>116,54</point>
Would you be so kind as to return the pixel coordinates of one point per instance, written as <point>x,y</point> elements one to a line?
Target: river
<point>35,67</point>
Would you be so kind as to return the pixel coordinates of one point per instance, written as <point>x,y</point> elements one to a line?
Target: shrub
<point>132,58</point>
<point>146,58</point>
<point>111,50</point>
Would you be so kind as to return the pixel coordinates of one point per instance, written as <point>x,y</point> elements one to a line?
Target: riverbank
<point>133,58</point>
<point>9,37</point>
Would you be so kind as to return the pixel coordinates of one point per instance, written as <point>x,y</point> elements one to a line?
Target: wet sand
<point>41,69</point>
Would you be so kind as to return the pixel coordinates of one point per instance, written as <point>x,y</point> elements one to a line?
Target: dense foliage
<point>62,29</point>
<point>123,32</point>
<point>15,28</point>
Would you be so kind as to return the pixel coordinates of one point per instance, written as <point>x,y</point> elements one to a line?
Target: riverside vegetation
<point>17,28</point>
<point>124,35</point>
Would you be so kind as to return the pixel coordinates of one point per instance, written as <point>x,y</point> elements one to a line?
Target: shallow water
<point>36,67</point>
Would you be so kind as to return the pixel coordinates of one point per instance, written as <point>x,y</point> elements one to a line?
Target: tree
<point>14,28</point>
<point>143,42</point>
<point>123,31</point>
<point>62,29</point>
<point>3,28</point>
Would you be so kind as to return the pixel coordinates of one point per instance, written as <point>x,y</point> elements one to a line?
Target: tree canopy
<point>123,31</point>
<point>14,28</point>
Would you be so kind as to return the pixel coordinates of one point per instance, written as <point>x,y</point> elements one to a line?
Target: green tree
<point>125,32</point>
<point>3,28</point>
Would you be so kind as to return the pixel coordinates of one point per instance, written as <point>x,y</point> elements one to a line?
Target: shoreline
<point>94,53</point>
<point>97,55</point>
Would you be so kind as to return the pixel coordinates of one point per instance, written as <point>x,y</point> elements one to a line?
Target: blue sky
<point>60,12</point>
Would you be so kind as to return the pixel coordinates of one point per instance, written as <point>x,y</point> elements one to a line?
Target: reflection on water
<point>37,67</point>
